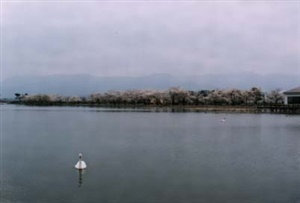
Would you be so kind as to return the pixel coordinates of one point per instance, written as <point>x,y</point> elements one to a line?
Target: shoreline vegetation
<point>253,100</point>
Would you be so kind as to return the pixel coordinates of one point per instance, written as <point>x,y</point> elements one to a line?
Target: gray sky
<point>136,38</point>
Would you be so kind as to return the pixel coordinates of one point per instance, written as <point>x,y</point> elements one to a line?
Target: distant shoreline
<point>174,99</point>
<point>283,109</point>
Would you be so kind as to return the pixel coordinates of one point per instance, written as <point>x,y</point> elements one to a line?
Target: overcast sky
<point>136,38</point>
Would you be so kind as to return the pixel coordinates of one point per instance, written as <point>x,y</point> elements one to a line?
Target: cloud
<point>140,38</point>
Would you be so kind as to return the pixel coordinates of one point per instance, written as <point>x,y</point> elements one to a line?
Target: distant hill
<point>83,85</point>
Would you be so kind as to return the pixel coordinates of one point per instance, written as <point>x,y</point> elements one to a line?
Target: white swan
<point>80,164</point>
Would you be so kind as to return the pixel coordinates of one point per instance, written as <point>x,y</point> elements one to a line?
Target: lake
<point>135,156</point>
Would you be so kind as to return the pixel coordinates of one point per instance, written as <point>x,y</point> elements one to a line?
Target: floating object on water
<point>223,120</point>
<point>80,164</point>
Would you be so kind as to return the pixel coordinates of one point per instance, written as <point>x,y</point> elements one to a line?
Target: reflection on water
<point>80,172</point>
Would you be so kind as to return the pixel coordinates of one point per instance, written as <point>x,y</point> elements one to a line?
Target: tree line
<point>172,96</point>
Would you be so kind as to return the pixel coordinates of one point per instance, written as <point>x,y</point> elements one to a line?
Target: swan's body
<point>223,120</point>
<point>80,164</point>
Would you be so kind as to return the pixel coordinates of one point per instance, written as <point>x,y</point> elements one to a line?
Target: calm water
<point>144,157</point>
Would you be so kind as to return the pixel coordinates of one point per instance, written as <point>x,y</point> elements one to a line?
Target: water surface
<point>138,156</point>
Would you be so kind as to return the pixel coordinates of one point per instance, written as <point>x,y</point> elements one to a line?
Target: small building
<point>292,96</point>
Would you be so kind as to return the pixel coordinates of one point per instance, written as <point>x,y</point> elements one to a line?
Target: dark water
<point>142,157</point>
